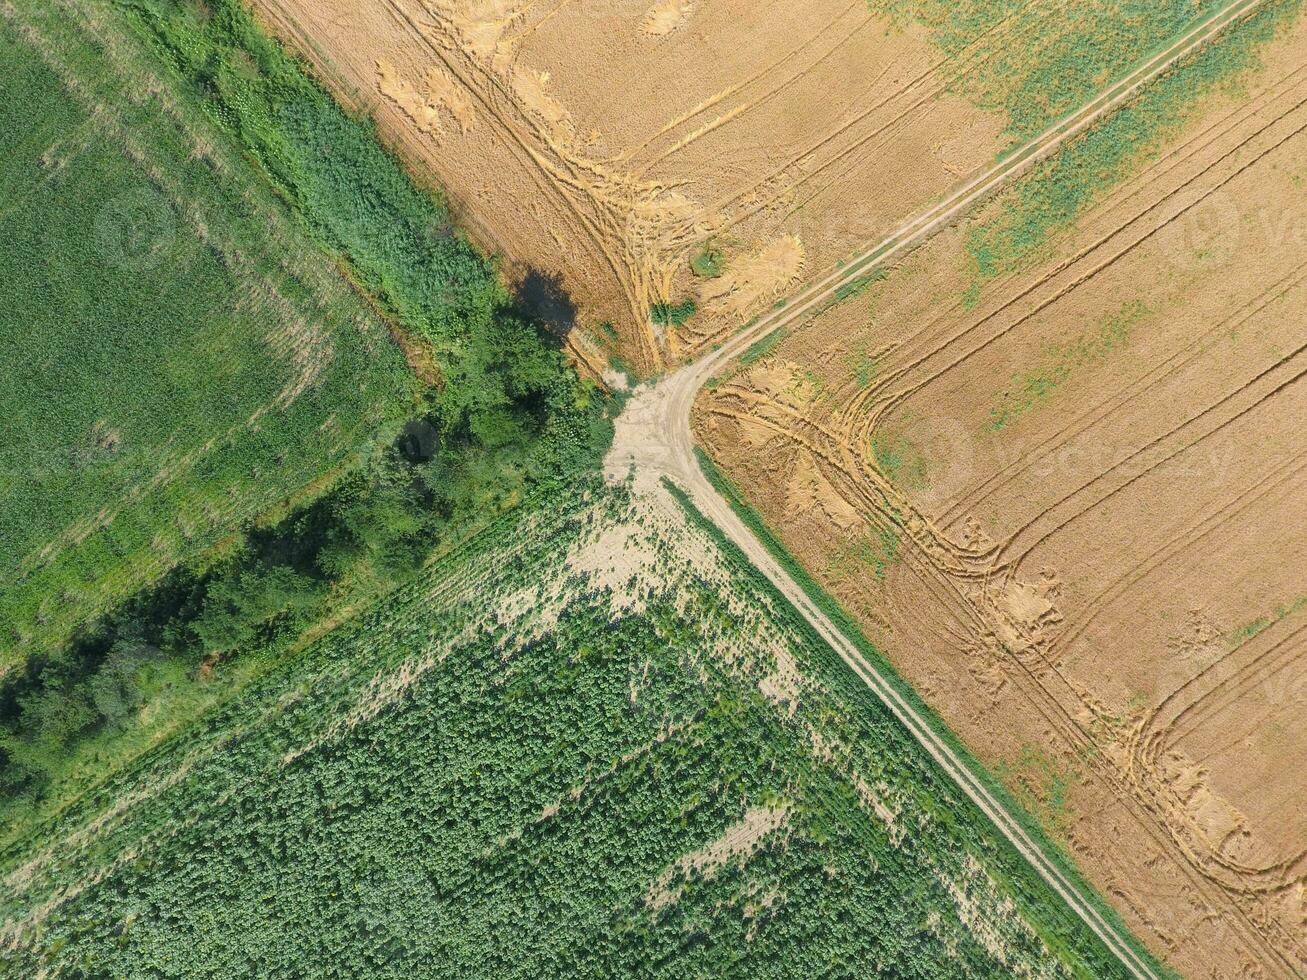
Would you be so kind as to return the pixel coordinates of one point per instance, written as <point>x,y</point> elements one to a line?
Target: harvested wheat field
<point>661,170</point>
<point>1054,462</point>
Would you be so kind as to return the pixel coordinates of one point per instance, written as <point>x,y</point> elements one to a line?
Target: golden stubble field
<point>1072,509</point>
<point>605,142</point>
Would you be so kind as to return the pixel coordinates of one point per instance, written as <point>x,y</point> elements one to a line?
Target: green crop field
<point>591,743</point>
<point>208,259</point>
<point>177,358</point>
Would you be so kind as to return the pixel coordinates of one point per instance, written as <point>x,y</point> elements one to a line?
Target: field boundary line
<point>655,439</point>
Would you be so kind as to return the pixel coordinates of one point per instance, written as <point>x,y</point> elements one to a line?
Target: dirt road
<point>654,439</point>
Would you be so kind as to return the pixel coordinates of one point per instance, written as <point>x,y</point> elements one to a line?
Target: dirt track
<point>655,439</point>
<point>1218,889</point>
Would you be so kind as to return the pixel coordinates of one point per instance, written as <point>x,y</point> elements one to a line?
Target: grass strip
<point>855,686</point>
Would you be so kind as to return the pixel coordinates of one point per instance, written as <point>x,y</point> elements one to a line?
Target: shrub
<point>677,314</point>
<point>708,262</point>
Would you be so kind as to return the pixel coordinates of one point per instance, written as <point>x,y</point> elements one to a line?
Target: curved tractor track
<point>654,439</point>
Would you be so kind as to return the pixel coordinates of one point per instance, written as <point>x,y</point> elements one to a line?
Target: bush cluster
<point>507,416</point>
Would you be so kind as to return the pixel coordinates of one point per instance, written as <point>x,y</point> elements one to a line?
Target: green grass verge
<point>860,285</point>
<point>762,347</point>
<point>833,611</point>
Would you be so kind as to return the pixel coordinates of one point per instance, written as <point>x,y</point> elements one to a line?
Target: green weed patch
<point>1028,390</point>
<point>1050,198</point>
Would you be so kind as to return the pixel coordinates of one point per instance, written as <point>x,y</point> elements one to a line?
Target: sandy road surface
<point>654,438</point>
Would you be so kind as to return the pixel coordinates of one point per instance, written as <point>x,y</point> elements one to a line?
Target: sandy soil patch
<point>666,16</point>
<point>736,843</point>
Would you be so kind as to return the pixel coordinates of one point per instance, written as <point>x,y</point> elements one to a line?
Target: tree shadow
<point>418,441</point>
<point>541,298</point>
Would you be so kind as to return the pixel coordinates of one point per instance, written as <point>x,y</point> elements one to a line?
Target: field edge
<point>828,606</point>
